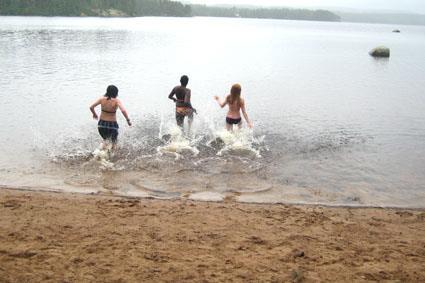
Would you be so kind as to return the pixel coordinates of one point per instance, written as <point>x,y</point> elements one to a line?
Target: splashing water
<point>178,144</point>
<point>104,156</point>
<point>238,142</point>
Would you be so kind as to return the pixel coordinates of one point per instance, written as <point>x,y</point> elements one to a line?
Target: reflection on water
<point>332,124</point>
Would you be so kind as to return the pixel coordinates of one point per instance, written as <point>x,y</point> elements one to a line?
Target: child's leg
<point>190,121</point>
<point>179,119</point>
<point>104,144</point>
<point>114,139</point>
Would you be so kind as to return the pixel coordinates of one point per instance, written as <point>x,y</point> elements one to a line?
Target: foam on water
<point>103,155</point>
<point>201,138</point>
<point>238,142</point>
<point>207,196</point>
<point>178,144</point>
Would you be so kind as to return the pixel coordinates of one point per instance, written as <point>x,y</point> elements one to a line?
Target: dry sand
<point>77,238</point>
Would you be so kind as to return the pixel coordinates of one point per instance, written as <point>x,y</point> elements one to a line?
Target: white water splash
<point>178,144</point>
<point>238,142</point>
<point>103,155</point>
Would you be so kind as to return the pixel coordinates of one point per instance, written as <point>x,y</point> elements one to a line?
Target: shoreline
<point>47,236</point>
<point>181,198</point>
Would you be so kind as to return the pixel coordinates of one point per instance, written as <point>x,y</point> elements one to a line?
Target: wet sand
<point>78,238</point>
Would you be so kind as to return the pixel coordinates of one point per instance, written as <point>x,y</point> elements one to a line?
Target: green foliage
<point>265,13</point>
<point>93,7</point>
<point>211,11</point>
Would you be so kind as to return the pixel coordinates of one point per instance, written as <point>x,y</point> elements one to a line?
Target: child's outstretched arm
<point>221,103</point>
<point>245,115</point>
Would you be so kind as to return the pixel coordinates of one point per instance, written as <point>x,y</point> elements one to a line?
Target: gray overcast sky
<point>415,6</point>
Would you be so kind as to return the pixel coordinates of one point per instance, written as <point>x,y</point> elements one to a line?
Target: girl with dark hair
<point>236,104</point>
<point>183,105</point>
<point>107,125</point>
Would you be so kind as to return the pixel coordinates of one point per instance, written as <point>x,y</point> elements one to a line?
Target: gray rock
<point>380,51</point>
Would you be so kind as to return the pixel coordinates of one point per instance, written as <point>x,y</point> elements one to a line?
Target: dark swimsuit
<point>232,121</point>
<point>108,130</point>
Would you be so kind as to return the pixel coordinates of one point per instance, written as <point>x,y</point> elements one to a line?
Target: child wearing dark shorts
<point>107,125</point>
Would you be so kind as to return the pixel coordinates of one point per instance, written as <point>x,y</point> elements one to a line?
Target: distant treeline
<point>151,8</point>
<point>265,13</point>
<point>384,18</point>
<point>94,8</point>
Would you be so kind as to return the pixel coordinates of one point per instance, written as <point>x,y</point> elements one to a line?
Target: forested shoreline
<point>128,8</point>
<point>265,13</point>
<point>138,8</point>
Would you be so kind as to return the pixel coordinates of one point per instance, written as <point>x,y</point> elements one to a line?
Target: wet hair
<point>111,92</point>
<point>184,80</point>
<point>235,94</point>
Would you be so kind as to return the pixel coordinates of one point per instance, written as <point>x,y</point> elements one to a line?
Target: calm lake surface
<point>332,125</point>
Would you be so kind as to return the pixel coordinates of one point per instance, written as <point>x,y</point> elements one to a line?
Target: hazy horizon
<point>409,6</point>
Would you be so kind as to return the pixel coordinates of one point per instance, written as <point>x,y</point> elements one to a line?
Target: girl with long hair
<point>236,104</point>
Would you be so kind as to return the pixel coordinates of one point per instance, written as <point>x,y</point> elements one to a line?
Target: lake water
<point>332,125</point>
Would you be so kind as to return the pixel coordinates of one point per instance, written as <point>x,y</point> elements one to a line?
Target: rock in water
<point>380,51</point>
<point>396,30</point>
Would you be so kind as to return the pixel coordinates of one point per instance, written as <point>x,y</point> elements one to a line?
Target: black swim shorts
<point>108,130</point>
<point>232,121</point>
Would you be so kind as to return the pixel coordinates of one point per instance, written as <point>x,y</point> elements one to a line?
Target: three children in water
<point>109,103</point>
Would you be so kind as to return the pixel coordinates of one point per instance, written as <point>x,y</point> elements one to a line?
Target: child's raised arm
<point>221,103</point>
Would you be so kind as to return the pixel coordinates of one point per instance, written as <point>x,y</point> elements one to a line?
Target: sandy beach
<point>54,237</point>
